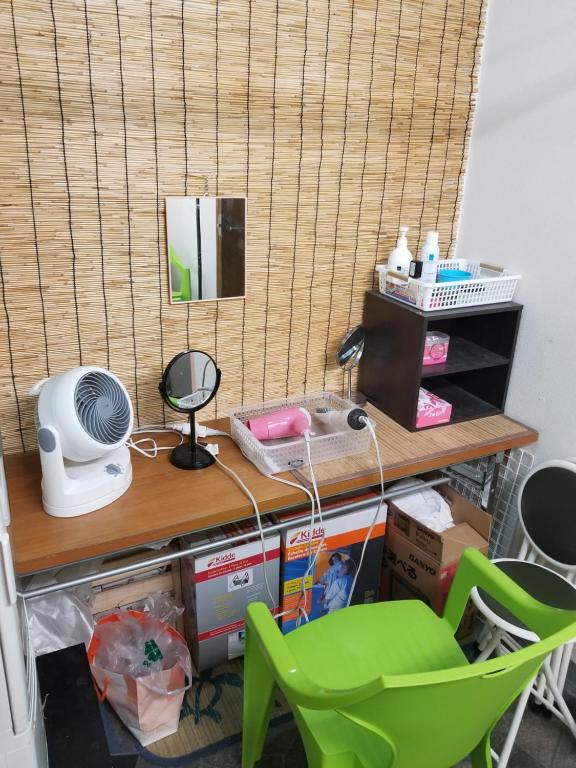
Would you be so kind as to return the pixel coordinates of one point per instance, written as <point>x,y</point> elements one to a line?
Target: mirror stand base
<point>188,456</point>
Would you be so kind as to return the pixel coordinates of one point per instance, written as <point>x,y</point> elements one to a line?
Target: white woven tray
<point>284,455</point>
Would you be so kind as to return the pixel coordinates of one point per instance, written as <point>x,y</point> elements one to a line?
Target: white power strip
<point>201,430</point>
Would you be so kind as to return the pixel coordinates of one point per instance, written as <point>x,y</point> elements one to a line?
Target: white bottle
<point>400,257</point>
<point>430,256</point>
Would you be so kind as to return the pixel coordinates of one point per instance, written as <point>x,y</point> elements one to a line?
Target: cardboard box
<point>421,563</point>
<point>217,587</point>
<point>332,575</point>
<point>131,590</point>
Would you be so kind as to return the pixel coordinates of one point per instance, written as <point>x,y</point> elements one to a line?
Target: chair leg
<point>554,665</point>
<point>490,646</point>
<point>566,656</point>
<point>485,635</point>
<point>559,699</point>
<point>259,689</point>
<point>514,726</point>
<point>482,756</point>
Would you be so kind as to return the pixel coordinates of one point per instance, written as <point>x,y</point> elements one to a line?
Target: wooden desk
<point>164,502</point>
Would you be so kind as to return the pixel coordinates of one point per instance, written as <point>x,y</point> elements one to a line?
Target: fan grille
<point>102,407</point>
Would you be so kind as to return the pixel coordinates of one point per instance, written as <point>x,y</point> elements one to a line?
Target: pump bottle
<point>400,257</point>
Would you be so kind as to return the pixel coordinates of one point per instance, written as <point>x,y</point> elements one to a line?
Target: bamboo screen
<point>338,119</point>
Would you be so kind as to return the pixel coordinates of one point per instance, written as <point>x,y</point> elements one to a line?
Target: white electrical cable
<point>311,560</point>
<point>203,431</point>
<point>370,426</point>
<point>152,451</point>
<point>208,431</point>
<point>248,493</point>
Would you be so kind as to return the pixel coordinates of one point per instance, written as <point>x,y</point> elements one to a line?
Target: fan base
<point>188,456</point>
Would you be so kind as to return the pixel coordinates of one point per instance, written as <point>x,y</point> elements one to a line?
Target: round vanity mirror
<point>350,352</point>
<point>190,381</point>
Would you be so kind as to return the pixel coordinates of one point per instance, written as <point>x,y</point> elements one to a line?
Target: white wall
<point>209,256</point>
<point>519,204</point>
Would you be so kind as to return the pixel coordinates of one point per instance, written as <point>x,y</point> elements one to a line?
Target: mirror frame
<point>164,392</point>
<point>356,359</point>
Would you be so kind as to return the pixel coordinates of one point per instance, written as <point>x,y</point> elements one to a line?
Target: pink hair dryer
<point>291,422</point>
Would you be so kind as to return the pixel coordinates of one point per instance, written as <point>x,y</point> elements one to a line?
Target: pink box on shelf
<point>435,348</point>
<point>432,410</point>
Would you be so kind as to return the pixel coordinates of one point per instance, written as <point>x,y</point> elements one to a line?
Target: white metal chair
<point>546,568</point>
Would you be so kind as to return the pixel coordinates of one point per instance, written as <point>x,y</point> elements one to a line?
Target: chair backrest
<point>182,275</point>
<point>547,509</point>
<point>434,719</point>
<point>438,719</point>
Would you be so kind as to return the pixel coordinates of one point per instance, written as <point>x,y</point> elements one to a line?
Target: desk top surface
<point>164,502</point>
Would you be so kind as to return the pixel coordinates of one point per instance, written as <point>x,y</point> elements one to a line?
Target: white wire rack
<point>497,492</point>
<point>504,504</point>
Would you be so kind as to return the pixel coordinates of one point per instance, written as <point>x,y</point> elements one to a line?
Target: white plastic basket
<point>488,285</point>
<point>286,454</point>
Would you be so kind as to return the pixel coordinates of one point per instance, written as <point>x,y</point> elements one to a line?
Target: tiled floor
<point>541,743</point>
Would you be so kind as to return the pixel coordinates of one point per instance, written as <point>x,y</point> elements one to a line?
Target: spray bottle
<point>430,255</point>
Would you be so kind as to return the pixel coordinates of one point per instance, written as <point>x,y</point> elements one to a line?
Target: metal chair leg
<point>559,699</point>
<point>506,750</point>
<point>490,647</point>
<point>566,656</point>
<point>486,635</point>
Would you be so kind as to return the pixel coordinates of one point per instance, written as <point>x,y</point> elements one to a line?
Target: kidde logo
<point>220,559</point>
<point>303,536</point>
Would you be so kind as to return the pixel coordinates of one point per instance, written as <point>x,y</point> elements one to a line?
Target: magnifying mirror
<point>189,382</point>
<point>350,352</point>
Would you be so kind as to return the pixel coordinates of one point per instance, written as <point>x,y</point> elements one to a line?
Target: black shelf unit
<point>474,378</point>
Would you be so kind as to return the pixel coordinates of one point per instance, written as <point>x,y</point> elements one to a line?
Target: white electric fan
<point>84,419</point>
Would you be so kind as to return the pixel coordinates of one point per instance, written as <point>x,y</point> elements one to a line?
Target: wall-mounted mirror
<point>206,248</point>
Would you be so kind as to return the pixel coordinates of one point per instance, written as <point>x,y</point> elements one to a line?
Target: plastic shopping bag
<point>57,621</point>
<point>142,666</point>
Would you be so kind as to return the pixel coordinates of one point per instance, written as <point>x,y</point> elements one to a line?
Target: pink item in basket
<point>290,422</point>
<point>435,348</point>
<point>432,410</point>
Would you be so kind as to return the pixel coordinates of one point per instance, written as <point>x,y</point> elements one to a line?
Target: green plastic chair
<point>185,292</point>
<point>386,685</point>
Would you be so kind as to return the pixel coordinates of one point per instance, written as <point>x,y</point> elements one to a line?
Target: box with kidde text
<point>218,586</point>
<point>329,581</point>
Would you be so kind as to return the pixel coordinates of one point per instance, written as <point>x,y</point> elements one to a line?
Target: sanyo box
<point>328,585</point>
<point>217,587</point>
<point>421,563</point>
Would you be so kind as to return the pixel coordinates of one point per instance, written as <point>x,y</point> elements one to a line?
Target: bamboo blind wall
<point>339,119</point>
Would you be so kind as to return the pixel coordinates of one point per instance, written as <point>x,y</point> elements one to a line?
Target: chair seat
<point>401,636</point>
<point>542,583</point>
<point>338,736</point>
<point>397,637</point>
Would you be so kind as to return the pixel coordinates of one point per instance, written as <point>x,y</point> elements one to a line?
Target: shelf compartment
<point>474,378</point>
<point>464,355</point>
<point>465,405</point>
